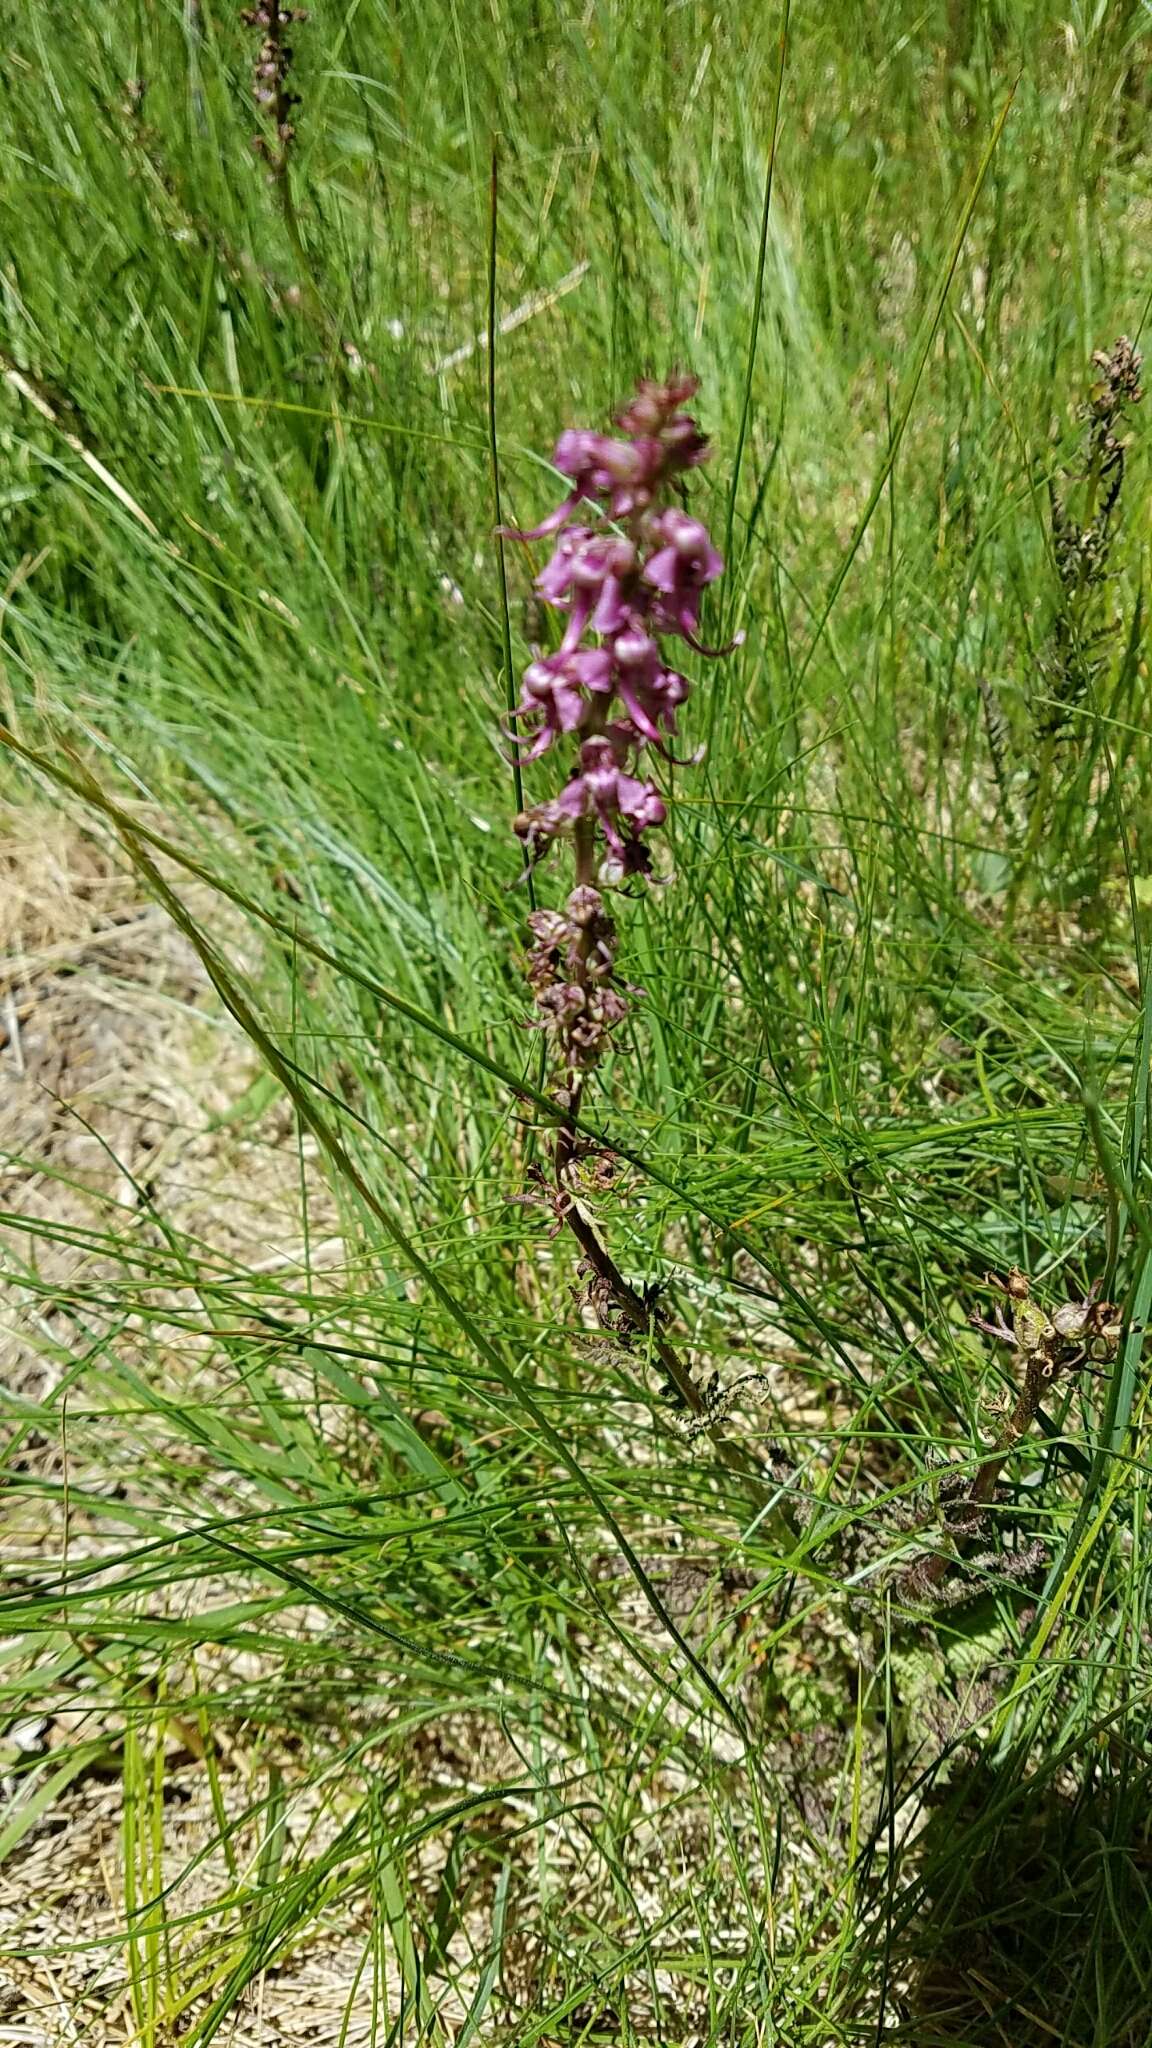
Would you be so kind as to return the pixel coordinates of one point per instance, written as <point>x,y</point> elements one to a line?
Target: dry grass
<point>121,1083</point>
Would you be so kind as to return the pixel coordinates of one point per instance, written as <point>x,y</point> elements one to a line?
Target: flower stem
<point>643,1321</point>
<point>606,1270</point>
<point>926,1572</point>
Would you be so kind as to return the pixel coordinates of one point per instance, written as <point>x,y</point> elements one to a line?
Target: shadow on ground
<point>1038,1929</point>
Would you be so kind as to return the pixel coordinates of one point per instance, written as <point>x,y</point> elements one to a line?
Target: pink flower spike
<point>629,565</point>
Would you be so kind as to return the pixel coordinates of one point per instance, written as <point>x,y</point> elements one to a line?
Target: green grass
<point>567,1788</point>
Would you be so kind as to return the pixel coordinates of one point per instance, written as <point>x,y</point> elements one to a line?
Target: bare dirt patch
<point>130,1106</point>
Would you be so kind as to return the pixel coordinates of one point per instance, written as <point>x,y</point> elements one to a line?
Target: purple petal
<point>612,835</point>
<point>637,650</point>
<point>640,802</point>
<point>578,619</point>
<point>540,744</point>
<point>637,713</point>
<point>624,462</point>
<point>610,613</point>
<point>552,524</point>
<point>555,578</point>
<point>572,801</point>
<point>571,455</point>
<point>664,571</point>
<point>592,668</point>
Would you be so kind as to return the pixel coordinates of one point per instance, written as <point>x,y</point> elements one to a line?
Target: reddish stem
<point>927,1571</point>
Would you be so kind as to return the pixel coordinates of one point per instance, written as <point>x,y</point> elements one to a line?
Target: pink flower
<point>655,413</point>
<point>622,474</point>
<point>597,463</point>
<point>602,790</point>
<point>680,571</point>
<point>625,476</point>
<point>602,470</point>
<point>649,692</point>
<point>554,691</point>
<point>589,576</point>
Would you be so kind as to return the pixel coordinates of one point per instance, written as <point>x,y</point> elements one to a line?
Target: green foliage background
<point>895,1029</point>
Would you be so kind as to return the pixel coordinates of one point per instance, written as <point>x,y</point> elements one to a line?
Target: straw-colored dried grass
<point>122,1099</point>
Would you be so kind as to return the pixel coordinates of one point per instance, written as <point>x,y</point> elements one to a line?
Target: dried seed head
<point>1118,383</point>
<point>270,89</point>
